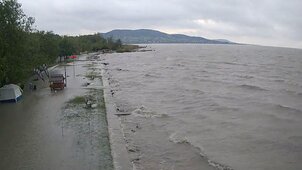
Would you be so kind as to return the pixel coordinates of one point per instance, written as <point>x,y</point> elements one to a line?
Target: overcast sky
<point>265,22</point>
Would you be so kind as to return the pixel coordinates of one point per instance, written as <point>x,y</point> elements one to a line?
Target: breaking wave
<point>146,113</point>
<point>177,138</point>
<point>181,139</point>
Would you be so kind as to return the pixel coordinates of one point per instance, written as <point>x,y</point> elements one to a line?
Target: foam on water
<point>181,139</point>
<point>146,113</point>
<point>177,138</point>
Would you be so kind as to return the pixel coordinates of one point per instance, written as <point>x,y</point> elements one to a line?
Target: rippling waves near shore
<point>240,105</point>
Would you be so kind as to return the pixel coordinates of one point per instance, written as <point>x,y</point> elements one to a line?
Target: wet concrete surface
<point>35,135</point>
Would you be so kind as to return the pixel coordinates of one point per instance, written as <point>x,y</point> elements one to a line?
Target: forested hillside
<point>147,36</point>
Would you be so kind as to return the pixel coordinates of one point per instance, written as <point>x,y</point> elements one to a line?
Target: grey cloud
<point>262,19</point>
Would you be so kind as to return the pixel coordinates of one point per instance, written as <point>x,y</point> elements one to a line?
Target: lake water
<point>239,106</point>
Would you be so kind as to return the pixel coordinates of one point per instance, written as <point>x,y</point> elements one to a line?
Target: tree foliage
<point>13,26</point>
<point>22,48</point>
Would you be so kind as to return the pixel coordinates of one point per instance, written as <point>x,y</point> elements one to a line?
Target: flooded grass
<point>86,117</point>
<point>91,75</point>
<point>102,106</point>
<point>89,65</point>
<point>90,125</point>
<point>77,100</point>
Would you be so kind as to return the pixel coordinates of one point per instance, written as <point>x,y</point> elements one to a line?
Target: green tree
<point>13,27</point>
<point>67,46</point>
<point>22,48</point>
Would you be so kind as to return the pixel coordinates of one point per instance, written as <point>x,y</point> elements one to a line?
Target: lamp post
<point>65,75</point>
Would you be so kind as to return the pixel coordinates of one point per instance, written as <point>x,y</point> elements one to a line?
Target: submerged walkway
<point>43,132</point>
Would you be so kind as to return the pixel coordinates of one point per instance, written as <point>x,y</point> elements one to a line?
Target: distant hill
<point>146,36</point>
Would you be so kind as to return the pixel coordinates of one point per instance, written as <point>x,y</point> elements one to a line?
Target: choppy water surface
<point>240,105</point>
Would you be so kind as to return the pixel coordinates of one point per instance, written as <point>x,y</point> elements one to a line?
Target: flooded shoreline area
<point>58,129</point>
<point>170,107</point>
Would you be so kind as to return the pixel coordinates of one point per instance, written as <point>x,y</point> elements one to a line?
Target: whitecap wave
<point>177,138</point>
<point>219,166</point>
<point>146,113</point>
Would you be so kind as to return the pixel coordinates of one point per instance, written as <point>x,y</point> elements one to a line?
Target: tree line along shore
<point>23,48</point>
